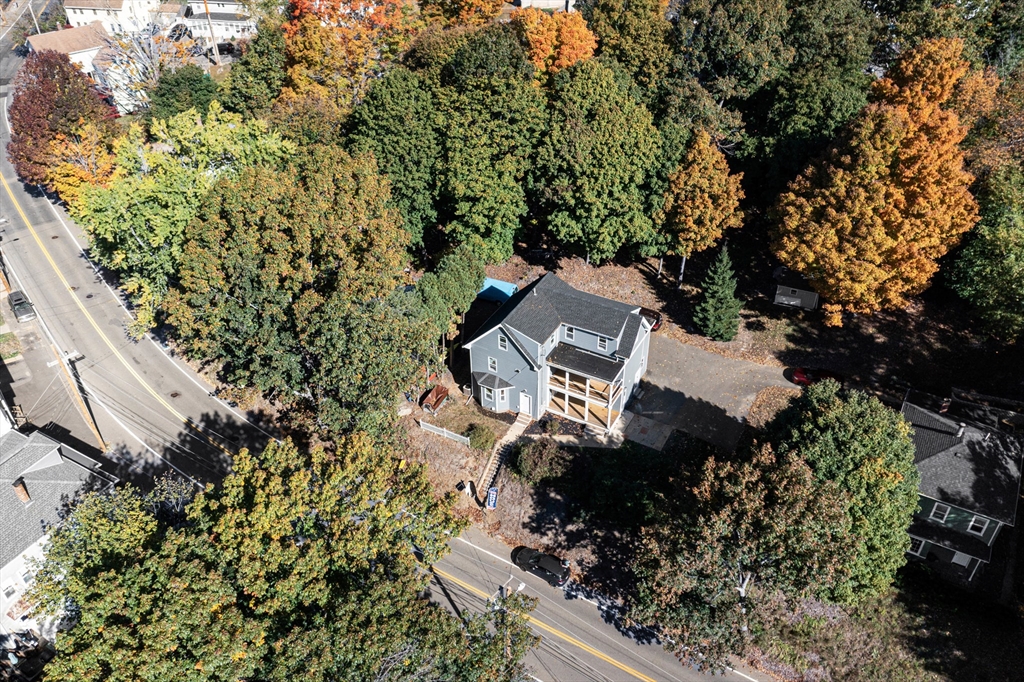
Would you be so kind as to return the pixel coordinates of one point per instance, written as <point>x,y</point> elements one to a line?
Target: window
<point>978,525</point>
<point>961,559</point>
<point>488,394</point>
<point>9,591</point>
<point>502,343</point>
<point>570,334</point>
<point>939,513</point>
<point>916,545</point>
<point>503,395</point>
<point>602,343</point>
<point>492,365</point>
<point>792,292</point>
<point>28,578</point>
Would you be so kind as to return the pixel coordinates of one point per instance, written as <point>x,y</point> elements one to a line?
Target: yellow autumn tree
<point>868,223</point>
<point>461,12</point>
<point>701,202</point>
<point>82,158</point>
<point>553,41</point>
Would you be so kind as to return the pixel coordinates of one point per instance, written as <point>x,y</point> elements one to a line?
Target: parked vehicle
<point>21,307</point>
<point>547,566</point>
<point>803,376</point>
<point>653,316</point>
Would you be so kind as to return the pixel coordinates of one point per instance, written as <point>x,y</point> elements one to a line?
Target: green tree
<point>989,272</point>
<point>634,33</point>
<point>256,79</point>
<point>449,291</point>
<point>492,117</point>
<point>398,123</point>
<point>594,163</point>
<point>718,314</point>
<point>287,280</point>
<point>864,447</point>
<point>136,222</point>
<point>745,530</point>
<point>179,90</point>
<point>299,565</point>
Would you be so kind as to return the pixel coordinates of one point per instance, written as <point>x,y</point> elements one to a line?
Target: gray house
<point>552,348</point>
<point>968,453</point>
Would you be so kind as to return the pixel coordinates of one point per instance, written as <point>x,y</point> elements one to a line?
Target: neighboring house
<point>230,20</point>
<point>81,44</point>
<point>792,289</point>
<point>121,16</point>
<point>552,348</point>
<point>968,452</point>
<point>38,477</point>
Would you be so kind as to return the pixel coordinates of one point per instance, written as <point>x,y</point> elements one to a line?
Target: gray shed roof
<point>53,472</point>
<point>539,309</point>
<point>585,362</point>
<point>490,380</point>
<point>978,470</point>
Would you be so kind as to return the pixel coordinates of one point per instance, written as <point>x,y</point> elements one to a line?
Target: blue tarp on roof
<point>496,290</point>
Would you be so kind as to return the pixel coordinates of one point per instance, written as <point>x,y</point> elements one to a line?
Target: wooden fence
<point>445,433</point>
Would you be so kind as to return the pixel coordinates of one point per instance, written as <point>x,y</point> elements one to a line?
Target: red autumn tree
<point>51,98</point>
<point>553,41</point>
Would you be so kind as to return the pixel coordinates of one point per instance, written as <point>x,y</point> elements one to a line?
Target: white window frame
<point>936,516</point>
<point>984,526</point>
<point>570,333</point>
<point>920,549</point>
<point>492,364</point>
<point>488,393</point>
<point>502,342</point>
<point>602,343</point>
<point>502,395</point>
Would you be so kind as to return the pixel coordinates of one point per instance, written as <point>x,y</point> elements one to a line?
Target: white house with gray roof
<point>968,451</point>
<point>39,476</point>
<point>553,348</point>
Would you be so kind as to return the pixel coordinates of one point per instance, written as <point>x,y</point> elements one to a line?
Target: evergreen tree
<point>179,90</point>
<point>718,315</point>
<point>257,78</point>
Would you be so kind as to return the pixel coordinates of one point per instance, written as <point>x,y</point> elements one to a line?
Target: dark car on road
<point>547,566</point>
<point>804,376</point>
<point>21,307</point>
<point>653,316</point>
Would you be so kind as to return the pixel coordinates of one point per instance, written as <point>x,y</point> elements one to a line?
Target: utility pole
<point>209,22</point>
<point>34,20</point>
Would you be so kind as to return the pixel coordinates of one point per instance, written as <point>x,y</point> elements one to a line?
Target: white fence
<point>444,433</point>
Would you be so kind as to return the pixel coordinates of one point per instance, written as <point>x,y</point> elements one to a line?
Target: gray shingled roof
<point>53,474</point>
<point>584,362</point>
<point>629,336</point>
<point>539,309</point>
<point>490,380</point>
<point>950,538</point>
<point>978,470</point>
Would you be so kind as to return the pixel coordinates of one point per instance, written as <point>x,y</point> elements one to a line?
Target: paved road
<point>152,411</point>
<point>704,394</point>
<point>580,638</point>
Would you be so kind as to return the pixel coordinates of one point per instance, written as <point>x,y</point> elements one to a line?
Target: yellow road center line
<point>95,326</point>
<point>547,628</point>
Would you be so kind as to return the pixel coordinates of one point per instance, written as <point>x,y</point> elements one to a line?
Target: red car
<point>802,376</point>
<point>653,316</point>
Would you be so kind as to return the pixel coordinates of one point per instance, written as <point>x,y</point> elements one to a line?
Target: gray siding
<point>513,367</point>
<point>958,519</point>
<point>586,340</point>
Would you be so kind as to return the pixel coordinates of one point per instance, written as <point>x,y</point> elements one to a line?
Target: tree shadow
<point>689,414</point>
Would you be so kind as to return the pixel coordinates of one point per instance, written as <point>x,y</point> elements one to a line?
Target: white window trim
<point>602,343</point>
<point>503,395</point>
<point>984,527</point>
<point>935,517</point>
<point>958,559</point>
<point>570,333</point>
<point>492,364</point>
<point>488,393</point>
<point>920,551</point>
<point>502,342</point>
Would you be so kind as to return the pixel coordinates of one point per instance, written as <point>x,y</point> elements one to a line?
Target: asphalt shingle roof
<point>584,362</point>
<point>71,40</point>
<point>53,474</point>
<point>978,470</point>
<point>490,380</point>
<point>951,538</point>
<point>539,309</point>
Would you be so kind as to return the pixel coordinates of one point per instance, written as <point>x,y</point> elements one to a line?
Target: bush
<point>553,426</point>
<point>480,437</point>
<point>537,460</point>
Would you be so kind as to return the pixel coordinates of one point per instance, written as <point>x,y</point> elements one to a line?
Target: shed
<point>792,289</point>
<point>497,290</point>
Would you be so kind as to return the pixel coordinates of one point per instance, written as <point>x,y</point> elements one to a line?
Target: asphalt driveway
<point>701,393</point>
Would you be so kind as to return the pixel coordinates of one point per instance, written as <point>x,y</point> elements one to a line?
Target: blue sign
<point>492,498</point>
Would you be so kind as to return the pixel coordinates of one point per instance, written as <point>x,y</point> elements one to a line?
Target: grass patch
<point>10,347</point>
<point>458,418</point>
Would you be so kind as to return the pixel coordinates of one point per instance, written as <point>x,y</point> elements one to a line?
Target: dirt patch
<point>768,403</point>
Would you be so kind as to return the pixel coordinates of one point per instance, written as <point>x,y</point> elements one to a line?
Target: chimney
<point>21,491</point>
<point>960,431</point>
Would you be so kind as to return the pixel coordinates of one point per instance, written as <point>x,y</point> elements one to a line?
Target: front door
<point>525,403</point>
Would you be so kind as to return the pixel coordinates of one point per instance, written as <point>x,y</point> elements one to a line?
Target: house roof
<point>53,474</point>
<point>71,40</point>
<point>221,16</point>
<point>976,467</point>
<point>584,362</point>
<point>629,334</point>
<point>490,380</point>
<point>539,309</point>
<point>93,4</point>
<point>951,538</point>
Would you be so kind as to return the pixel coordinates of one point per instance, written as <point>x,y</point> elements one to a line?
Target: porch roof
<point>490,380</point>
<point>591,364</point>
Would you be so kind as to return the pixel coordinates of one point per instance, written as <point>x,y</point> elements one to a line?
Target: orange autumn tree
<point>868,223</point>
<point>336,48</point>
<point>553,41</point>
<point>461,12</point>
<point>83,158</point>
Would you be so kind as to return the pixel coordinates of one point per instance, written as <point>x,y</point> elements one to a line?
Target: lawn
<point>10,347</point>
